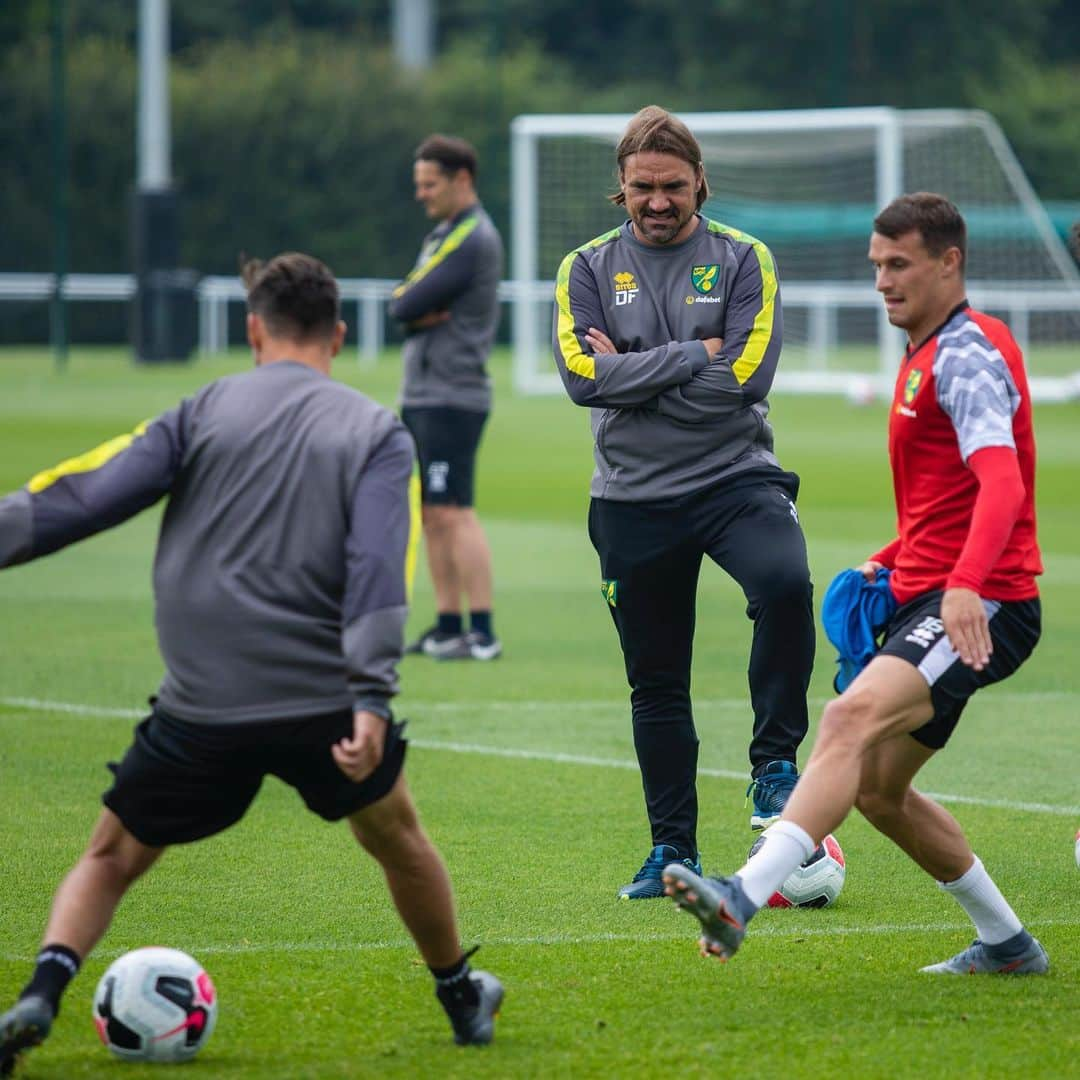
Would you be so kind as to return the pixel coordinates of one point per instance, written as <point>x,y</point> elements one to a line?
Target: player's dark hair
<point>294,294</point>
<point>932,216</point>
<point>655,130</point>
<point>449,152</point>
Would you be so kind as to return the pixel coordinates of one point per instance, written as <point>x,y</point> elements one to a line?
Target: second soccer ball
<point>815,884</point>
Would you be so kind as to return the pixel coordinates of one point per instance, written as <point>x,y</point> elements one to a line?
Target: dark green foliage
<point>294,127</point>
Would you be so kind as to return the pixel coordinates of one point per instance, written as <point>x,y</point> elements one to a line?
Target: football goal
<point>808,183</point>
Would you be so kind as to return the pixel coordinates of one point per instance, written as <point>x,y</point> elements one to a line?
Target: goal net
<point>808,183</point>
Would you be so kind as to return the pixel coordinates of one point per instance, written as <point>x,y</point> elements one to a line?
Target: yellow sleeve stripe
<point>580,363</point>
<point>761,331</point>
<point>413,546</point>
<point>84,463</point>
<point>454,239</point>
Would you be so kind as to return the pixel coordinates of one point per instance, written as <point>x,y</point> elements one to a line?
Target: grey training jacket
<point>458,270</point>
<point>666,420</point>
<point>279,579</point>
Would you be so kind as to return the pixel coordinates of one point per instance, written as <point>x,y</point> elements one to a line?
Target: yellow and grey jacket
<point>667,421</point>
<point>281,570</point>
<point>457,271</point>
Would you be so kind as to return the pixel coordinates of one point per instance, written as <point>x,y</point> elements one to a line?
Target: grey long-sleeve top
<point>280,572</point>
<point>667,420</point>
<point>457,271</point>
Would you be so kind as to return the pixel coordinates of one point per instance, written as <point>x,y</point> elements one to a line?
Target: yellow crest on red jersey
<point>911,387</point>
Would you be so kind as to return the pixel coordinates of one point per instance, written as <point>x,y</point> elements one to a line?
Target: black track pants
<point>650,558</point>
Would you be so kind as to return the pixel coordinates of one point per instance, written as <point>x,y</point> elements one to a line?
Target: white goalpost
<point>808,183</point>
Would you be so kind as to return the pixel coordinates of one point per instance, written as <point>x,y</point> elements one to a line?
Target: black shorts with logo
<point>181,781</point>
<point>446,444</point>
<point>916,634</point>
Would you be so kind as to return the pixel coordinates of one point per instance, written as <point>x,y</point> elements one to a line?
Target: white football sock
<point>785,847</point>
<point>977,894</point>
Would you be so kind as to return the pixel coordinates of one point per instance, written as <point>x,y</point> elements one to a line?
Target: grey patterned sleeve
<point>976,390</point>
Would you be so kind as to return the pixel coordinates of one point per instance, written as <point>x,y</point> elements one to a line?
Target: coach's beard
<point>661,228</point>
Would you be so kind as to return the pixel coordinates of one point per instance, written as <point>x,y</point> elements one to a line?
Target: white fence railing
<point>822,302</point>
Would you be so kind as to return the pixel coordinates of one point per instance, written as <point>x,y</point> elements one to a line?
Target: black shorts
<point>181,781</point>
<point>916,634</point>
<point>446,443</point>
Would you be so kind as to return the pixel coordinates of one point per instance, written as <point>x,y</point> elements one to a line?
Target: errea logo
<point>625,288</point>
<point>926,632</point>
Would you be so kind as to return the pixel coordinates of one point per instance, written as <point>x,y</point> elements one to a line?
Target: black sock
<point>56,966</point>
<point>453,985</point>
<point>480,622</point>
<point>449,624</point>
<point>744,906</point>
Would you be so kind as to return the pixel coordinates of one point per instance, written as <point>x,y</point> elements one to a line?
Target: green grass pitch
<point>523,771</point>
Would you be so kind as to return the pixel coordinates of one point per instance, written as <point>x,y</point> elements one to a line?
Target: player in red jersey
<point>963,571</point>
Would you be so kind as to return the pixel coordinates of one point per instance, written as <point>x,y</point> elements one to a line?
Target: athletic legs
<point>84,904</point>
<point>651,586</point>
<point>459,558</point>
<point>753,533</point>
<point>390,831</point>
<point>922,828</point>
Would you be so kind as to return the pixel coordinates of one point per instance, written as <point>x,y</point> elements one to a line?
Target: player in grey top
<point>280,585</point>
<point>669,329</point>
<point>449,307</point>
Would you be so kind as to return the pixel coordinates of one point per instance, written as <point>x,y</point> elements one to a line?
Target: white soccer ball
<point>860,390</point>
<point>815,884</point>
<point>155,1004</point>
<point>1078,847</point>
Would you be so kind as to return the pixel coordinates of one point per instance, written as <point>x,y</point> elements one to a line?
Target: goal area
<point>808,183</point>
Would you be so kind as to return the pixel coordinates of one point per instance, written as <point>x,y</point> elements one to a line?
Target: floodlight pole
<point>161,296</point>
<point>153,133</point>
<point>58,322</point>
<point>413,30</point>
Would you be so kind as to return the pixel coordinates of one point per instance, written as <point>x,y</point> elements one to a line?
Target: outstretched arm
<point>91,492</point>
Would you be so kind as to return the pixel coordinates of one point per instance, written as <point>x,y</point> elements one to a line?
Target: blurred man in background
<point>449,307</point>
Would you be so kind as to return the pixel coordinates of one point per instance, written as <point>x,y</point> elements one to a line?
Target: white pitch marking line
<point>699,703</point>
<point>546,755</point>
<point>800,930</point>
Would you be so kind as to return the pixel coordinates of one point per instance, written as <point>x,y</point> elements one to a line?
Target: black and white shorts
<point>916,634</point>
<point>446,444</point>
<point>182,781</point>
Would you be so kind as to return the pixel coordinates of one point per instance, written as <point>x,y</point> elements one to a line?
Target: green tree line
<point>293,126</point>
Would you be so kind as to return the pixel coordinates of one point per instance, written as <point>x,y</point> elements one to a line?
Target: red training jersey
<point>961,390</point>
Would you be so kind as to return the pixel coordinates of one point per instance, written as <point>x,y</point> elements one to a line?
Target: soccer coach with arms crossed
<point>450,309</point>
<point>669,328</point>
